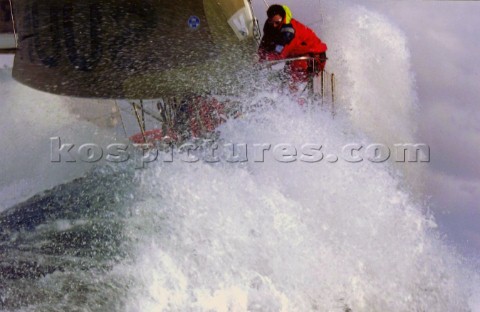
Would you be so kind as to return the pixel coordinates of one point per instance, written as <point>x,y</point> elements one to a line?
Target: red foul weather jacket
<point>305,42</point>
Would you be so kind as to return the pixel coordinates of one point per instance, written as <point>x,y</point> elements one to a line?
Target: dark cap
<point>275,9</point>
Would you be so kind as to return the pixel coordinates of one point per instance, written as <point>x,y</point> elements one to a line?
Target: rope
<point>13,23</point>
<point>266,4</point>
<point>121,118</point>
<point>143,115</point>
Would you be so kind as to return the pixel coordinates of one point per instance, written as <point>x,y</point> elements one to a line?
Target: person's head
<point>276,15</point>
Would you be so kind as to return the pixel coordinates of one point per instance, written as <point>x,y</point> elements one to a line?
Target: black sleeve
<point>287,34</point>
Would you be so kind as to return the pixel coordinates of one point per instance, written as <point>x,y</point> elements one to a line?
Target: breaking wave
<point>255,235</point>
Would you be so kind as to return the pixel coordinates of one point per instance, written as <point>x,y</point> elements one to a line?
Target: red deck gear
<point>204,115</point>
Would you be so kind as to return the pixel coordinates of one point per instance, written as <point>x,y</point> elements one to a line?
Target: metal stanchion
<point>333,94</point>
<point>322,76</point>
<point>323,84</point>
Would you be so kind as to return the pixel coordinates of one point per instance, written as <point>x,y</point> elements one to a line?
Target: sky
<point>443,41</point>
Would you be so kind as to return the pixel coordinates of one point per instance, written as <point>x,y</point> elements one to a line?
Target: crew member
<point>285,37</point>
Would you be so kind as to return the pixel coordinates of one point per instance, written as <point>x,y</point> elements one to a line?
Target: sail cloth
<point>131,48</point>
<point>7,37</point>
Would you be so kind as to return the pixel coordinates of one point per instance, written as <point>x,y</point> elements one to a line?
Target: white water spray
<point>274,236</point>
<point>286,236</point>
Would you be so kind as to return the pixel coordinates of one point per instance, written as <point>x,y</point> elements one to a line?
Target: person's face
<point>276,21</point>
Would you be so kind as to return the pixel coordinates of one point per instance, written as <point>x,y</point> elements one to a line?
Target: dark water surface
<point>57,248</point>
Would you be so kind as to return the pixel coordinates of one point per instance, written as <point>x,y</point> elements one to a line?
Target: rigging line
<point>266,3</point>
<point>257,34</point>
<point>13,23</point>
<point>143,114</point>
<point>148,113</point>
<point>139,122</point>
<point>121,118</point>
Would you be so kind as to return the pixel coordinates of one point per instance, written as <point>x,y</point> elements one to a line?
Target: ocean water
<point>269,231</point>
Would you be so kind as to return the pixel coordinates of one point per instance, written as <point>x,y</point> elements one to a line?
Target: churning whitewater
<point>253,235</point>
